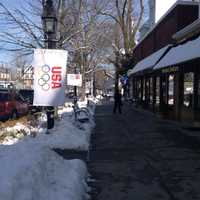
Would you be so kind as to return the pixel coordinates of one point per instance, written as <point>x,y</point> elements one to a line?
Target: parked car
<point>11,105</point>
<point>27,95</point>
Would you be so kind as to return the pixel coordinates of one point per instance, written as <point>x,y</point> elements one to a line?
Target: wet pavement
<point>136,156</point>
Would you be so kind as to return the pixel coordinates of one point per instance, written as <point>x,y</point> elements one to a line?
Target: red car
<point>11,105</point>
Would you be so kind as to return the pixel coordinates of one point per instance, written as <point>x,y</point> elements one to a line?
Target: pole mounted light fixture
<point>49,18</point>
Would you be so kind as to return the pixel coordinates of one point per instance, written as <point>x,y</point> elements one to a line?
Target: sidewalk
<point>188,130</point>
<point>138,156</point>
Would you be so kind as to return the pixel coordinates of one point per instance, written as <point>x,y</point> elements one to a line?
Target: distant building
<point>156,11</point>
<point>28,78</point>
<point>25,77</point>
<point>150,21</point>
<point>5,74</point>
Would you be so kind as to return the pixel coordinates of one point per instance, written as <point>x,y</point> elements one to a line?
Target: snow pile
<point>12,131</point>
<point>67,134</point>
<point>30,171</point>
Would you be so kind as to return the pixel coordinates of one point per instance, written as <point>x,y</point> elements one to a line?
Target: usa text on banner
<point>49,77</point>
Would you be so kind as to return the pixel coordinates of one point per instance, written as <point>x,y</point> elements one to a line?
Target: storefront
<point>166,78</point>
<point>180,73</point>
<point>146,83</point>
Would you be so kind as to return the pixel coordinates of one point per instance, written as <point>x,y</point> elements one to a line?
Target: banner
<point>74,80</point>
<point>49,77</point>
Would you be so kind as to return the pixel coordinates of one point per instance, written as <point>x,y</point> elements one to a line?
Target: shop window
<point>147,90</point>
<point>140,89</point>
<point>188,89</point>
<point>198,94</point>
<point>164,90</point>
<point>144,92</point>
<point>157,90</point>
<point>151,90</point>
<point>135,88</point>
<point>171,90</point>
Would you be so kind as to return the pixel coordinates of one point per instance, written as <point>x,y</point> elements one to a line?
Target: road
<point>136,156</point>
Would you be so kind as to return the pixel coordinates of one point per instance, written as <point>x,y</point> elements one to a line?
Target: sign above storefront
<point>170,70</point>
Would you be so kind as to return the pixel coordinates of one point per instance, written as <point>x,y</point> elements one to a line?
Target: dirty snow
<point>30,169</point>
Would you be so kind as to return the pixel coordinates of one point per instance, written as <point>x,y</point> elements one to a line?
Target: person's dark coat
<point>118,102</point>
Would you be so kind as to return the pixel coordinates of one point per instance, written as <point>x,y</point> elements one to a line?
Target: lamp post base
<point>50,117</point>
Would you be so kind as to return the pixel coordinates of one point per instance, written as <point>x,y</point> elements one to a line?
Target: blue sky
<point>6,56</point>
<point>11,3</point>
<point>162,7</point>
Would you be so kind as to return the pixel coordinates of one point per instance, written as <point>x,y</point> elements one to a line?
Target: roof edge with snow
<point>150,61</point>
<point>180,54</point>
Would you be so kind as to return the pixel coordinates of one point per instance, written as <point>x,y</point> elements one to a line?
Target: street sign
<point>124,79</point>
<point>74,80</point>
<point>49,77</point>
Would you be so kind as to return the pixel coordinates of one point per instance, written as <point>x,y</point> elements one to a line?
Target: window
<point>188,89</point>
<point>147,90</point>
<point>151,90</point>
<point>139,89</point>
<point>144,92</point>
<point>4,97</point>
<point>171,90</point>
<point>164,90</point>
<point>198,94</point>
<point>157,90</point>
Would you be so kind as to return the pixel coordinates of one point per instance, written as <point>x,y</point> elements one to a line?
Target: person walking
<point>117,102</point>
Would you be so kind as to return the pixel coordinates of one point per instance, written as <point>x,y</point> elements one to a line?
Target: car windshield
<point>4,96</point>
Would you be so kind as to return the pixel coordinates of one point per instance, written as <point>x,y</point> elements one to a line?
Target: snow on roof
<point>149,61</point>
<point>180,54</point>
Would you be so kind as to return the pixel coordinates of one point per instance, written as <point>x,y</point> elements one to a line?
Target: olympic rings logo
<point>45,77</point>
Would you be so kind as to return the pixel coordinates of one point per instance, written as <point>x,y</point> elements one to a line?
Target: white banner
<point>74,80</point>
<point>49,77</point>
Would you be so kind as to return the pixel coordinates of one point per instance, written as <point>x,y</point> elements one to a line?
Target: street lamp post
<point>94,84</point>
<point>49,20</point>
<point>75,89</point>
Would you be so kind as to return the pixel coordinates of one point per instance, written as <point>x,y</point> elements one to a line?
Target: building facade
<point>166,78</point>
<point>5,74</point>
<point>24,79</point>
<point>27,78</point>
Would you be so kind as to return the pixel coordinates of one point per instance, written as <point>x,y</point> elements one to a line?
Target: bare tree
<point>88,45</point>
<point>83,29</point>
<point>127,16</point>
<point>21,32</point>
